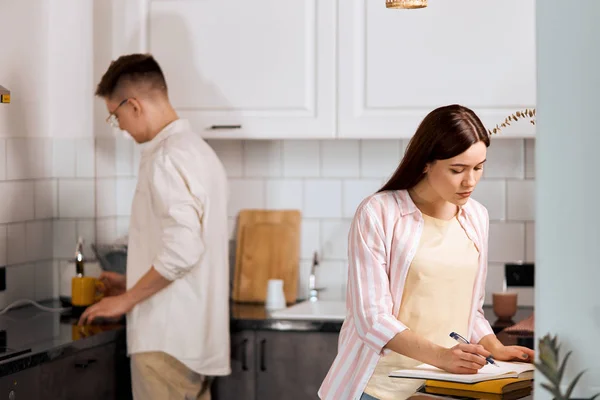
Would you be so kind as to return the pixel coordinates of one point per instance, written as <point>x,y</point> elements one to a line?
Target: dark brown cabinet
<point>88,374</point>
<point>21,385</point>
<point>277,365</point>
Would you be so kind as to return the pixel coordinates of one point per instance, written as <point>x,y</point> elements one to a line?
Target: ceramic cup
<point>275,296</point>
<point>85,290</point>
<point>505,305</point>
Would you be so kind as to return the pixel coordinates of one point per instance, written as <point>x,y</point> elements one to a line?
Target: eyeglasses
<point>112,119</point>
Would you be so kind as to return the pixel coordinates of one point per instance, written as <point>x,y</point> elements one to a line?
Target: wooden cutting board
<point>268,247</point>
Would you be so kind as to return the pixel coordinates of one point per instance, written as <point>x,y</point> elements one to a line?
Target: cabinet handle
<point>84,364</point>
<point>263,343</point>
<point>244,355</point>
<point>215,127</point>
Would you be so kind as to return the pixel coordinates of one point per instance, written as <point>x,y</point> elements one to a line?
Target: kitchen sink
<point>322,310</point>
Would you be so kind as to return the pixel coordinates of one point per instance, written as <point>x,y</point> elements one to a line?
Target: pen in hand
<point>461,339</point>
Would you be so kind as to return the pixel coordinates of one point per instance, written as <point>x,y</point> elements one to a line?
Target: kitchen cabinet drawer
<point>22,385</point>
<point>240,385</point>
<point>88,374</point>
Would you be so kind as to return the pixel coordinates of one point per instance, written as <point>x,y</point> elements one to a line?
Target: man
<point>176,291</point>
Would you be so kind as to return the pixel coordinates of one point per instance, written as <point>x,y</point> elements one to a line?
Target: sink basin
<point>327,310</point>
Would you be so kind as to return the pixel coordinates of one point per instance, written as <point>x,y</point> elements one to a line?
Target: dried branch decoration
<point>526,113</point>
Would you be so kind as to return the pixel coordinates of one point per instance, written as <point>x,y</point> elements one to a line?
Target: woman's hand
<point>114,283</point>
<point>513,353</point>
<point>463,358</point>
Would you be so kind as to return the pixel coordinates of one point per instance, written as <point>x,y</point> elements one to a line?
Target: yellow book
<point>497,386</point>
<point>512,395</point>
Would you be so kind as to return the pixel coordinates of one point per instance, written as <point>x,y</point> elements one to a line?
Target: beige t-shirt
<point>436,300</point>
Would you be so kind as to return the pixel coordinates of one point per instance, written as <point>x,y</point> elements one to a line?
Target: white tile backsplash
<point>340,159</point>
<point>284,194</point>
<point>2,159</point>
<point>492,194</point>
<point>379,158</point>
<point>323,198</point>
<point>301,159</point>
<point>521,200</point>
<point>63,188</point>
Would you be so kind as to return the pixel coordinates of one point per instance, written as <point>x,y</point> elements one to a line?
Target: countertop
<point>48,335</point>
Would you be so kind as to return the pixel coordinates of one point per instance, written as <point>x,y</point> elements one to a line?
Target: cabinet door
<point>240,385</point>
<point>293,365</point>
<point>88,374</point>
<point>238,68</point>
<point>21,385</point>
<point>397,65</point>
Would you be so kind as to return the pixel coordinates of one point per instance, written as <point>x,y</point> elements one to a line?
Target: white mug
<point>275,296</point>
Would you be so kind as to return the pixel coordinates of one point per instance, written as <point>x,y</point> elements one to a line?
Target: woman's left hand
<point>513,353</point>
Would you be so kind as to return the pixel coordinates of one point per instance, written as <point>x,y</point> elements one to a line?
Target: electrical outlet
<point>2,279</point>
<point>519,274</point>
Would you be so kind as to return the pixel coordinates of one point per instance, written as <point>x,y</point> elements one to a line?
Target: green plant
<point>526,113</point>
<point>550,366</point>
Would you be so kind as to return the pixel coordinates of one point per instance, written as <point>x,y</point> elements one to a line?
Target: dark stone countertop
<point>48,335</point>
<point>255,317</point>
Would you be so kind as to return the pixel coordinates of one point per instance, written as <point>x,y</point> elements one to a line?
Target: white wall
<point>46,182</point>
<point>568,188</point>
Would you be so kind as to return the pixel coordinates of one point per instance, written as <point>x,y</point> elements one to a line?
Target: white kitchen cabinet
<point>306,69</point>
<point>237,68</point>
<point>397,65</point>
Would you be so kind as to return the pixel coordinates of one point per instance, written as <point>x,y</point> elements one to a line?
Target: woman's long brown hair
<point>444,133</point>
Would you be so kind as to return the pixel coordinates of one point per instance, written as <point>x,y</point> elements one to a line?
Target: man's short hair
<point>131,69</point>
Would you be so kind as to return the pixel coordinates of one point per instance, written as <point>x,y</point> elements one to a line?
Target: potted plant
<point>553,370</point>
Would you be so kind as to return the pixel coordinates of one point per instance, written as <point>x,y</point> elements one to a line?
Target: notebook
<point>487,373</point>
<point>496,386</point>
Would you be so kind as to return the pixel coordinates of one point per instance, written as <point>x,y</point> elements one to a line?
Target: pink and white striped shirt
<point>383,239</point>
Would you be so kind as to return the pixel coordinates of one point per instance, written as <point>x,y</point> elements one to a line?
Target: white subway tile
<point>334,239</point>
<point>303,277</point>
<point>3,245</point>
<point>16,202</point>
<point>122,226</point>
<point>105,157</point>
<point>505,159</point>
<point>525,295</point>
<point>20,282</point>
<point>340,158</point>
<point>64,158</point>
<point>379,158</point>
<point>2,159</point>
<point>301,159</point>
<point>125,192</point>
<point>46,204</point>
<point>106,230</point>
<point>494,282</point>
<point>506,242</point>
<point>29,158</point>
<point>521,200</point>
<point>124,157</point>
<point>245,193</point>
<point>76,198</point>
<point>230,152</point>
<point>322,198</point>
<point>84,155</point>
<point>262,158</point>
<point>330,275</point>
<point>64,238</point>
<point>355,191</point>
<point>17,244</point>
<point>39,236</point>
<point>310,238</point>
<point>86,229</point>
<point>529,158</point>
<point>530,241</point>
<point>284,194</point>
<point>492,194</point>
<point>106,196</point>
<point>44,276</point>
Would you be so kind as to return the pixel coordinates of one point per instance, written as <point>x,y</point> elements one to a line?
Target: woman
<point>417,267</point>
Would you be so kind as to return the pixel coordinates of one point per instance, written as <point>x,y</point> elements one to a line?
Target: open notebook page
<point>486,373</point>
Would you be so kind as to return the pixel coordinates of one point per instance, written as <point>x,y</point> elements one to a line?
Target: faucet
<point>313,290</point>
